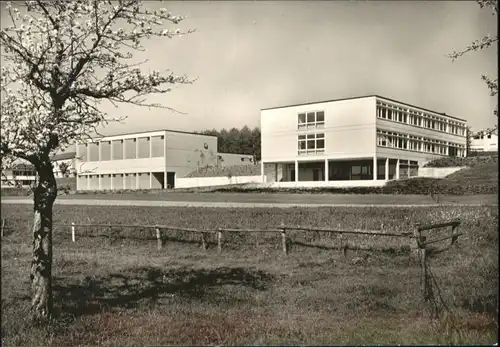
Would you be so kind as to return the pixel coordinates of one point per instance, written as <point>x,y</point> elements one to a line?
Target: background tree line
<point>238,141</point>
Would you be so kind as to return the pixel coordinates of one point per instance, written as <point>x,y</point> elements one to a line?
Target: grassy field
<point>276,198</point>
<point>121,290</point>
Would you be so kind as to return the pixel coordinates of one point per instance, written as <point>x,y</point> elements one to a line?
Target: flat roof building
<point>484,141</point>
<point>146,160</point>
<point>363,141</point>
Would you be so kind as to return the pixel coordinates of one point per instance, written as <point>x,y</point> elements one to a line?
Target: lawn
<point>121,290</point>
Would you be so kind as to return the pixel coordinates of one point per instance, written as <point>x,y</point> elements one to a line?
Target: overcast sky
<point>253,55</point>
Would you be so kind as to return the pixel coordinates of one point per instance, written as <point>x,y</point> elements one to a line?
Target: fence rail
<point>416,236</point>
<point>358,232</point>
<point>422,244</point>
<point>283,229</point>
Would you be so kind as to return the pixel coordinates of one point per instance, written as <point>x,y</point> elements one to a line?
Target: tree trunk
<point>45,193</point>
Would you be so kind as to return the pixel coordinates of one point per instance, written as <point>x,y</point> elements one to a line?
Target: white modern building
<point>23,173</point>
<point>146,160</point>
<point>484,141</point>
<point>362,141</point>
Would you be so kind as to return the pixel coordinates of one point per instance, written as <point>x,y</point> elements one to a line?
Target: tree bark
<point>45,194</point>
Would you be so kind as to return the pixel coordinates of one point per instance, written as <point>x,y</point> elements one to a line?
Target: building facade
<point>147,160</point>
<point>362,141</point>
<point>230,159</point>
<point>484,142</point>
<point>23,173</point>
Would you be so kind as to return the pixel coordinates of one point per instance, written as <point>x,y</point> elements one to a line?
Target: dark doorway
<point>170,180</point>
<point>452,151</point>
<point>158,180</point>
<point>292,176</point>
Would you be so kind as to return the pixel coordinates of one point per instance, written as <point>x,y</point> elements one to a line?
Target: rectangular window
<point>311,120</point>
<point>320,116</point>
<point>311,144</point>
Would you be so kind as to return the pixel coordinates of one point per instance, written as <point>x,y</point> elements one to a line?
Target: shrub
<point>226,171</point>
<point>469,161</point>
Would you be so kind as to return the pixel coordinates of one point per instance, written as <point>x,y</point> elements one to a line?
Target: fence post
<point>343,245</point>
<point>219,241</point>
<point>3,225</point>
<point>453,233</point>
<point>158,238</point>
<point>423,263</point>
<point>73,231</point>
<point>283,238</point>
<point>203,243</point>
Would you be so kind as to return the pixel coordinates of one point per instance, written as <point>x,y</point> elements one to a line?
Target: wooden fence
<point>423,242</point>
<point>414,238</point>
<point>417,239</point>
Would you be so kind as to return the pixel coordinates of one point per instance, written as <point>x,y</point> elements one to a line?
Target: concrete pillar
<point>296,171</point>
<point>386,169</point>
<point>87,149</point>
<point>124,148</point>
<point>375,168</point>
<point>111,152</point>
<point>397,169</point>
<point>111,181</point>
<point>136,147</point>
<point>136,178</point>
<point>150,147</point>
<point>262,173</point>
<point>88,181</point>
<point>165,159</point>
<point>326,170</point>
<point>124,179</point>
<point>99,180</point>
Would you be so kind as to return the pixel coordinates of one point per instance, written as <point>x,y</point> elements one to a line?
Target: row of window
<point>311,143</point>
<point>419,143</point>
<point>132,148</point>
<point>148,138</point>
<point>419,118</point>
<point>311,120</point>
<point>83,176</point>
<point>481,136</point>
<point>23,173</point>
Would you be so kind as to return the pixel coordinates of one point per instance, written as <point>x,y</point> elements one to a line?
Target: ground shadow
<point>147,286</point>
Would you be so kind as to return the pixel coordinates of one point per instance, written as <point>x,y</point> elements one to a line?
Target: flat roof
<point>157,130</point>
<point>362,97</point>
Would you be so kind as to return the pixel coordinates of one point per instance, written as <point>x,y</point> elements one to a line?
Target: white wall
<point>349,130</point>
<point>485,144</point>
<point>122,166</point>
<point>187,152</point>
<point>230,159</point>
<point>194,182</point>
<point>437,172</point>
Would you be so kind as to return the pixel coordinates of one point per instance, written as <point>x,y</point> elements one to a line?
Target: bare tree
<point>63,58</point>
<point>64,168</point>
<point>485,42</point>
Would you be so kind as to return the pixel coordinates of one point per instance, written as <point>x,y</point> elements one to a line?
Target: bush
<point>226,171</point>
<point>469,161</point>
